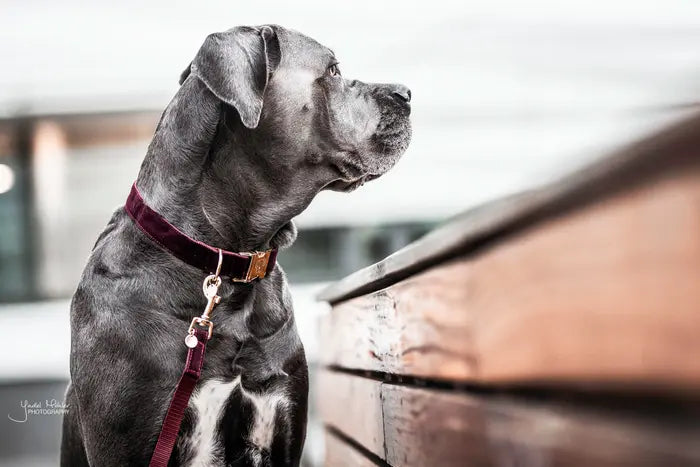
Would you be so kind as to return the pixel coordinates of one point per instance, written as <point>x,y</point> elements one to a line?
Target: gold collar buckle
<point>258,266</point>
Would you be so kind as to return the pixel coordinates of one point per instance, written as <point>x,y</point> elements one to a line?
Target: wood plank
<point>354,404</point>
<point>423,427</point>
<point>437,427</point>
<point>341,454</point>
<point>671,150</point>
<point>606,296</point>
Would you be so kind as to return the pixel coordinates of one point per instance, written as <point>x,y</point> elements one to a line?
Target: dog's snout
<point>402,94</point>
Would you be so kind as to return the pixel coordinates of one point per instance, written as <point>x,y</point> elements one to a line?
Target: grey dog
<point>262,122</point>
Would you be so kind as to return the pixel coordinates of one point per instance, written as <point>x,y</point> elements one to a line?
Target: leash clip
<point>210,287</point>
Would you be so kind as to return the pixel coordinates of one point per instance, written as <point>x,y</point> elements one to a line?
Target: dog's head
<point>286,96</point>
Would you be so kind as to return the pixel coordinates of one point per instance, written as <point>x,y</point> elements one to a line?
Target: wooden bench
<point>557,327</point>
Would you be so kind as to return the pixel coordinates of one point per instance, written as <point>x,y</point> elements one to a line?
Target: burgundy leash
<point>178,404</point>
<point>198,334</point>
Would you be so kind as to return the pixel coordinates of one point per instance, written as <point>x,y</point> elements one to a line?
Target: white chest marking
<point>208,402</point>
<point>266,406</point>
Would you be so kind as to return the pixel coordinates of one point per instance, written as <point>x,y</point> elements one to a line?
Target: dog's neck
<point>212,184</point>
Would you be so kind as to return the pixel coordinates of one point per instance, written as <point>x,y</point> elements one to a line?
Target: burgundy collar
<point>240,267</point>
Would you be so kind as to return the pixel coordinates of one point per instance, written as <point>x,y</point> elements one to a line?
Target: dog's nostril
<point>402,93</point>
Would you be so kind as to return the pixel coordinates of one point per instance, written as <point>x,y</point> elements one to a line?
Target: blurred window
<point>15,263</point>
<point>327,254</point>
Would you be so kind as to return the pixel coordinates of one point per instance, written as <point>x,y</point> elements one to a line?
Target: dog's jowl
<point>262,122</point>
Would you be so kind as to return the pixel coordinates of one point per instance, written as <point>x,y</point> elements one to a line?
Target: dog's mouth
<point>388,143</point>
<point>393,133</point>
<point>379,152</point>
<point>350,185</point>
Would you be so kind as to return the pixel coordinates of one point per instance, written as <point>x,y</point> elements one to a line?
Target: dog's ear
<point>236,65</point>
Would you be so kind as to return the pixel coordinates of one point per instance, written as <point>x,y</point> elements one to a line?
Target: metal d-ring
<point>213,280</point>
<point>221,261</point>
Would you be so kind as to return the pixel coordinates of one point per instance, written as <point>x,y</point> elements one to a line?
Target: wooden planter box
<point>557,327</point>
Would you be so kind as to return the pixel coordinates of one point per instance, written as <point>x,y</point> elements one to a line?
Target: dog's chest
<point>209,403</point>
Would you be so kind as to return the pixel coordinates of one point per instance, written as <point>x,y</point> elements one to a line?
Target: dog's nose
<point>402,93</point>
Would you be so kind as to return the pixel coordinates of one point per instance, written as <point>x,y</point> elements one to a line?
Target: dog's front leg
<point>290,430</point>
<point>72,447</point>
<point>265,422</point>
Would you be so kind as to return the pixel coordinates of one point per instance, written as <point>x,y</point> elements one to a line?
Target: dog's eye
<point>333,70</point>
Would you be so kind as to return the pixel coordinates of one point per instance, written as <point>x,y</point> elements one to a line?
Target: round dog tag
<point>191,341</point>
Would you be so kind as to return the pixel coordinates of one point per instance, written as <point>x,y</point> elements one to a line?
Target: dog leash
<point>199,332</point>
<point>240,267</point>
<point>178,404</point>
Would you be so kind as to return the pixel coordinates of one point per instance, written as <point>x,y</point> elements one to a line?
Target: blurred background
<point>506,95</point>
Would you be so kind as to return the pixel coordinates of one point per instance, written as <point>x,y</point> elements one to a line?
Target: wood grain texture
<point>424,427</point>
<point>354,403</point>
<point>341,454</point>
<point>608,295</point>
<point>671,150</point>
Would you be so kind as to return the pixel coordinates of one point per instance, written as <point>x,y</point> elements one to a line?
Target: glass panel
<point>15,283</point>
